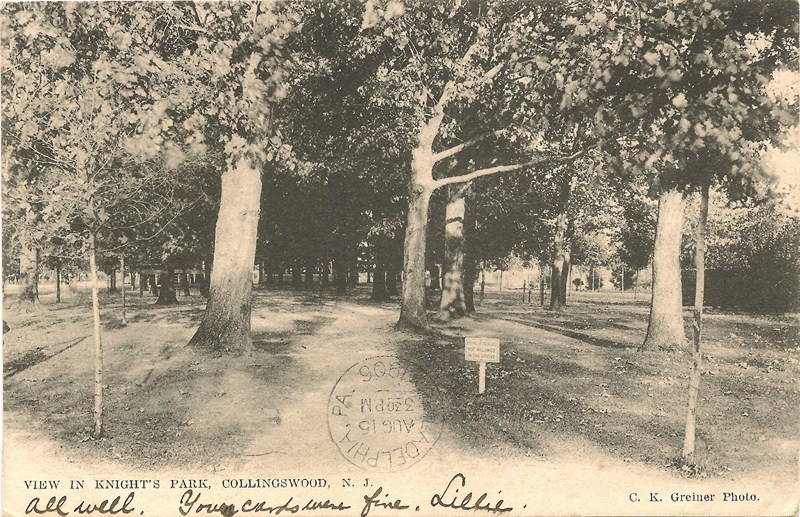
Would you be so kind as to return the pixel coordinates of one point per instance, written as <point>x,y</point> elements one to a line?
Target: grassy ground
<point>568,383</point>
<point>574,380</point>
<point>165,403</point>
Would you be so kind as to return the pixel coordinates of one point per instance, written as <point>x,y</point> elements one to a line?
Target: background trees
<point>84,134</point>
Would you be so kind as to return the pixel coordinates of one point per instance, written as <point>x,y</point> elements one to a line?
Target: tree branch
<point>158,232</point>
<point>460,147</point>
<point>506,168</point>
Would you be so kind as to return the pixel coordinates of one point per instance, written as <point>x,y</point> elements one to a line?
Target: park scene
<point>399,240</point>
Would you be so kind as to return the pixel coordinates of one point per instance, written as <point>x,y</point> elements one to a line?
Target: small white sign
<point>482,349</point>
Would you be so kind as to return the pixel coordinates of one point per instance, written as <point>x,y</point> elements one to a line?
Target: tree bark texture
<point>557,295</point>
<point>452,304</point>
<point>226,322</point>
<point>28,300</point>
<point>166,294</point>
<point>98,341</point>
<point>421,185</point>
<point>412,310</point>
<point>665,328</point>
<point>697,327</point>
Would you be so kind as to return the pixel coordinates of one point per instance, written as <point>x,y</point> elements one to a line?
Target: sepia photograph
<point>400,258</point>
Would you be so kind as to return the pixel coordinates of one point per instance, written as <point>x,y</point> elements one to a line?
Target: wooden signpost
<point>483,350</point>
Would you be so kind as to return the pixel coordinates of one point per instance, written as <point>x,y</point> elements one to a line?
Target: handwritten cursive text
<point>452,498</point>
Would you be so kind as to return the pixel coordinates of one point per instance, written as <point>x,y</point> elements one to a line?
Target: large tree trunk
<point>412,309</point>
<point>665,329</point>
<point>697,358</point>
<point>226,322</point>
<point>452,304</point>
<point>184,281</point>
<point>557,295</point>
<point>28,300</point>
<point>98,341</point>
<point>166,294</point>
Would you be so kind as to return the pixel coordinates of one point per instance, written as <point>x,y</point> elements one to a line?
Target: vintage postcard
<point>397,258</point>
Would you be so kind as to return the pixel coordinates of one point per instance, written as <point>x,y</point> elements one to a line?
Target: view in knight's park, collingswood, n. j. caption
<point>395,257</point>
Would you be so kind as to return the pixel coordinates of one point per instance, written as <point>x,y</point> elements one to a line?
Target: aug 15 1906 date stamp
<point>376,417</point>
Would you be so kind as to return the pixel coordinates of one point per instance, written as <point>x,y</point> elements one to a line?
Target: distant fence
<point>748,289</point>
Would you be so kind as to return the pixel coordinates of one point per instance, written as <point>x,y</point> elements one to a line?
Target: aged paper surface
<point>337,413</point>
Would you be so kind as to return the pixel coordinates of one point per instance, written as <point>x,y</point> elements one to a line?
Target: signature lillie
<point>450,497</point>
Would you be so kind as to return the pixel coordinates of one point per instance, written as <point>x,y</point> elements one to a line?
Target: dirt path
<point>349,334</point>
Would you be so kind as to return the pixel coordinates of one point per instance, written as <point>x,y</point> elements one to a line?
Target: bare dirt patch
<point>569,385</point>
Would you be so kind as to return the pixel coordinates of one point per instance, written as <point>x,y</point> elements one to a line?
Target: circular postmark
<point>376,417</point>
